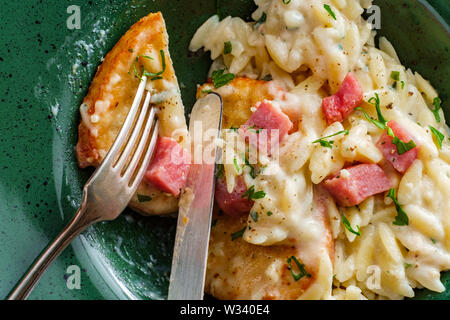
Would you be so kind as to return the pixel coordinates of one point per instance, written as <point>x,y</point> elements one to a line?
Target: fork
<point>111,187</point>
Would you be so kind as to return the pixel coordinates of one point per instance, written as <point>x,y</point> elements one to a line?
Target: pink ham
<point>339,106</point>
<point>401,163</point>
<point>260,128</point>
<point>232,203</point>
<point>357,184</point>
<point>169,168</point>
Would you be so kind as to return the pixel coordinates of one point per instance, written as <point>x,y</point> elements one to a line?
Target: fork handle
<point>50,253</point>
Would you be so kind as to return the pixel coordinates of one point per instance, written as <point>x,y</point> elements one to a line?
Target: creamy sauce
<point>308,53</point>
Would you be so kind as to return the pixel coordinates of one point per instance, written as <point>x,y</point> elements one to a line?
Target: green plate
<point>40,92</point>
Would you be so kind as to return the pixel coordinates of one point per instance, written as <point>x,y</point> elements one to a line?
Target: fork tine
<point>126,127</point>
<point>146,147</point>
<point>134,137</point>
<point>145,163</point>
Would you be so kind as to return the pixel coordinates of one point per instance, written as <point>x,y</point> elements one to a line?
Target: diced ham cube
<point>401,163</point>
<point>355,184</point>
<point>340,105</point>
<point>169,168</point>
<point>264,125</point>
<point>232,203</point>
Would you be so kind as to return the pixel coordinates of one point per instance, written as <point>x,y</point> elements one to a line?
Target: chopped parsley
<point>144,198</point>
<point>437,106</point>
<point>269,213</point>
<point>252,168</point>
<point>408,265</point>
<point>220,78</point>
<point>252,195</point>
<point>402,147</point>
<point>154,76</point>
<point>381,123</point>
<point>329,144</point>
<point>207,91</point>
<point>349,227</point>
<point>402,218</point>
<point>330,11</point>
<point>301,268</point>
<point>227,47</point>
<point>255,216</point>
<point>254,129</point>
<point>238,234</point>
<point>438,135</point>
<point>237,166</point>
<point>286,1</point>
<point>395,75</point>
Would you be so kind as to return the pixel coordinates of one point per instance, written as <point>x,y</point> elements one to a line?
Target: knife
<point>187,278</point>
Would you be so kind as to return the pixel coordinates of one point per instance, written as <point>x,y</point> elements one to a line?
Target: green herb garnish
<point>252,195</point>
<point>395,75</point>
<point>255,216</point>
<point>402,218</point>
<point>438,135</point>
<point>301,268</point>
<point>252,169</point>
<point>381,123</point>
<point>349,226</point>
<point>408,265</point>
<point>269,213</point>
<point>154,76</point>
<point>220,79</point>
<point>236,165</point>
<point>227,47</point>
<point>253,129</point>
<point>238,234</point>
<point>402,147</point>
<point>330,11</point>
<point>329,144</point>
<point>286,1</point>
<point>437,106</point>
<point>144,198</point>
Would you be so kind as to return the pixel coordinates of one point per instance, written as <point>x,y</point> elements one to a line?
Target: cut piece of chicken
<point>104,109</point>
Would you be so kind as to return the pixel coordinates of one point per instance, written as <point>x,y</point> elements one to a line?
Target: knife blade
<point>189,260</point>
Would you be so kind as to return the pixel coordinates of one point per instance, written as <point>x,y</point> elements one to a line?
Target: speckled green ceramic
<point>40,91</point>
